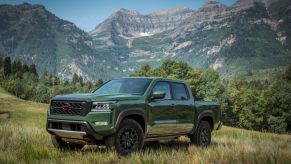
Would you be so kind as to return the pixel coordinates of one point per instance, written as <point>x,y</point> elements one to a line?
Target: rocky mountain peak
<point>28,6</point>
<point>127,12</point>
<point>130,23</point>
<point>212,6</point>
<point>21,7</point>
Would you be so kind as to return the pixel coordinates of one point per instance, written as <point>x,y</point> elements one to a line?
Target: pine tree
<point>18,66</point>
<point>56,80</point>
<point>7,66</point>
<point>32,69</point>
<point>14,68</point>
<point>75,79</point>
<point>99,83</point>
<point>66,83</point>
<point>81,80</point>
<point>1,62</point>
<point>288,72</point>
<point>25,68</point>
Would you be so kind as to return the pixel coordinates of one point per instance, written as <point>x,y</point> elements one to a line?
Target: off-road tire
<point>60,144</point>
<point>202,135</point>
<point>129,137</point>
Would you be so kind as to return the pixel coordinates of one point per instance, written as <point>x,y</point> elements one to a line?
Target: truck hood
<point>94,97</point>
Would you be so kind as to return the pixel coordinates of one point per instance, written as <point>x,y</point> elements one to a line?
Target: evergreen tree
<point>1,67</point>
<point>99,83</point>
<point>75,79</point>
<point>66,83</point>
<point>56,80</point>
<point>13,67</point>
<point>288,73</point>
<point>32,69</point>
<point>25,68</point>
<point>7,66</point>
<point>18,66</point>
<point>1,62</point>
<point>80,80</point>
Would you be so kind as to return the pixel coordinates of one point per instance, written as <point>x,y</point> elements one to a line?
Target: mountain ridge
<point>35,35</point>
<point>223,22</point>
<point>229,39</point>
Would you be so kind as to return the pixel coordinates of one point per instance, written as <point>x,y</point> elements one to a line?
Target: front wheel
<point>129,137</point>
<point>60,144</point>
<point>202,135</point>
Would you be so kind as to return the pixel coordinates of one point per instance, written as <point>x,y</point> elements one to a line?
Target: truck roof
<point>154,78</point>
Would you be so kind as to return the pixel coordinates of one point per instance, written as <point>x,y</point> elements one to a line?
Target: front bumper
<point>101,123</point>
<point>80,130</point>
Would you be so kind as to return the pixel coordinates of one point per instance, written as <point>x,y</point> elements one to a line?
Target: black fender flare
<point>205,113</point>
<point>129,112</point>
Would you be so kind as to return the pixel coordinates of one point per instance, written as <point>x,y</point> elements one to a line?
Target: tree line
<point>24,81</point>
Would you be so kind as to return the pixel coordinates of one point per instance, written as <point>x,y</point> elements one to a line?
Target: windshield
<point>134,86</point>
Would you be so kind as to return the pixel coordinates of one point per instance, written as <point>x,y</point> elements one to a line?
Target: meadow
<point>23,139</point>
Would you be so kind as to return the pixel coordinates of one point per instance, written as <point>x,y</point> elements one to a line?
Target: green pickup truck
<point>126,112</point>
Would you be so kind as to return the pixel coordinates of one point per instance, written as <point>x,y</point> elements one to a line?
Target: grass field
<point>23,139</point>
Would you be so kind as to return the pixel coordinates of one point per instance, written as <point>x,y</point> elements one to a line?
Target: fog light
<point>101,123</point>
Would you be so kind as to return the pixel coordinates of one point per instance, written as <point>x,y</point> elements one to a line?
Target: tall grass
<point>23,139</point>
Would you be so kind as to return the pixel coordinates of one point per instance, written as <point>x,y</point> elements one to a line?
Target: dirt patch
<point>4,115</point>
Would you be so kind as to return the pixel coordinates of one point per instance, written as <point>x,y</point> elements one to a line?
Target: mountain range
<point>248,35</point>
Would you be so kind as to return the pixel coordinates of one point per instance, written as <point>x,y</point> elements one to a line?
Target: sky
<point>87,14</point>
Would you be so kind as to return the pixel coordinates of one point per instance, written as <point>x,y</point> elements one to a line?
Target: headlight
<point>102,106</point>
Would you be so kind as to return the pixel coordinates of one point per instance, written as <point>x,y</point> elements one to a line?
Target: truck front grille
<point>69,107</point>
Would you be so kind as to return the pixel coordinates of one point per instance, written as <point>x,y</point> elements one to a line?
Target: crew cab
<point>126,112</point>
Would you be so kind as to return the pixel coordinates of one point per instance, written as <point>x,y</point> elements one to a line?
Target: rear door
<point>184,107</point>
<point>162,115</point>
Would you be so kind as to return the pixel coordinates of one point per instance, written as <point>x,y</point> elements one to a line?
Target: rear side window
<point>180,92</point>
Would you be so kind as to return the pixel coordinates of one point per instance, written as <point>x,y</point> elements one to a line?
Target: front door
<point>162,115</point>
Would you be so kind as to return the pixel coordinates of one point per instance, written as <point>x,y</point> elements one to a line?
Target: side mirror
<point>158,95</point>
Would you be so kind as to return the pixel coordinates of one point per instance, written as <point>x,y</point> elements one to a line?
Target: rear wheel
<point>60,144</point>
<point>129,137</point>
<point>202,136</point>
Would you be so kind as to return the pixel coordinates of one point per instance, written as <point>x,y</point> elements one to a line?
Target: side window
<point>164,87</point>
<point>180,92</point>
